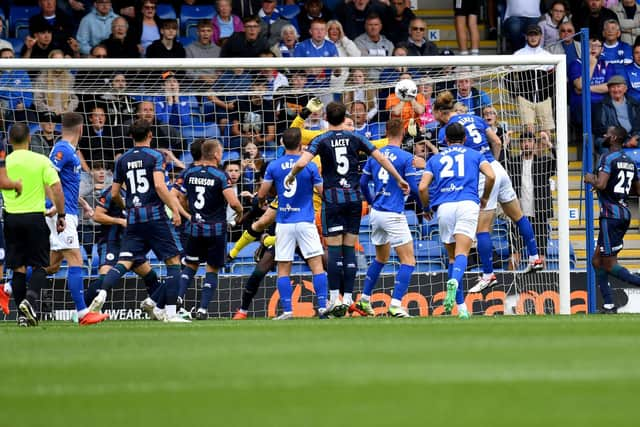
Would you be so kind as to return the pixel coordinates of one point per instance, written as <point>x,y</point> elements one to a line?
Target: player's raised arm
<point>494,142</point>
<point>305,158</point>
<point>490,179</point>
<point>385,163</point>
<point>233,201</point>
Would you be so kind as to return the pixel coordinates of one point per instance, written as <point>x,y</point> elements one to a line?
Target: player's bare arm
<point>494,142</point>
<point>423,189</point>
<point>101,216</point>
<point>599,182</point>
<point>234,202</point>
<point>305,158</point>
<point>116,197</point>
<point>57,196</point>
<point>8,184</point>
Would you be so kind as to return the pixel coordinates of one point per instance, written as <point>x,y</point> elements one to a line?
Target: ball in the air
<point>406,90</point>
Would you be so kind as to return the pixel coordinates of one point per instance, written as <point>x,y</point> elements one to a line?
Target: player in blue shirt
<point>148,227</point>
<point>450,184</point>
<point>65,245</point>
<point>342,199</point>
<point>482,138</point>
<point>295,220</point>
<point>388,221</point>
<point>204,193</point>
<point>617,175</point>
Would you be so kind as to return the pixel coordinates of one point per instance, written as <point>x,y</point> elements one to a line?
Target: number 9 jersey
<point>135,169</point>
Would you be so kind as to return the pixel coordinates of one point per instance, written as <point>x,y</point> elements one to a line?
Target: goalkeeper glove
<point>313,106</point>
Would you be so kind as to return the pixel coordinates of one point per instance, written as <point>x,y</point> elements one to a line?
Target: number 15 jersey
<point>338,151</point>
<point>135,170</point>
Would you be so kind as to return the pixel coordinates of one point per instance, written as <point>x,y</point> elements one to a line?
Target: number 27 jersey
<point>135,170</point>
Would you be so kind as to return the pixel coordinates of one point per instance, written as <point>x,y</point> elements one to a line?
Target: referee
<point>26,232</point>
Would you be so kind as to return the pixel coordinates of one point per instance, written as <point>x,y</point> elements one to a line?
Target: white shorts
<point>458,218</point>
<point>502,190</point>
<point>68,239</point>
<point>389,227</point>
<point>302,234</point>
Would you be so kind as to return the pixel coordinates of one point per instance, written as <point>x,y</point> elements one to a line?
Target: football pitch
<point>499,371</point>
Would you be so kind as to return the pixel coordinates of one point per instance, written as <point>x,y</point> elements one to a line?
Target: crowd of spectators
<point>263,28</point>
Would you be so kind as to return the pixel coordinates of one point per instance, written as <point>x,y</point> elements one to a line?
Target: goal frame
<point>557,61</point>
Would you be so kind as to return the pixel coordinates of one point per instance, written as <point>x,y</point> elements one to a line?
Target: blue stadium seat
<point>429,266</point>
<point>190,15</point>
<point>501,249</point>
<point>186,40</point>
<point>364,222</point>
<point>17,45</point>
<point>300,268</point>
<point>552,255</point>
<point>412,218</point>
<point>289,11</point>
<point>243,269</point>
<point>201,130</point>
<point>432,250</point>
<point>19,19</point>
<point>165,11</point>
<point>186,158</point>
<point>230,155</point>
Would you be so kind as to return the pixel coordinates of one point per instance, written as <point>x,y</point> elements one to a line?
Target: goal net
<point>247,103</point>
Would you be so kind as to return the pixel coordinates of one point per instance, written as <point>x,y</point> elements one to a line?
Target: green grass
<point>502,371</point>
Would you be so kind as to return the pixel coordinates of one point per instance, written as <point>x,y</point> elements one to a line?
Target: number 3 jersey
<point>622,174</point>
<point>295,202</point>
<point>475,128</point>
<point>455,175</point>
<point>134,169</point>
<point>203,186</point>
<point>387,195</point>
<point>338,151</point>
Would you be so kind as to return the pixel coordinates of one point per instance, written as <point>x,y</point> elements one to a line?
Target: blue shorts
<point>341,218</point>
<point>611,235</point>
<point>157,236</point>
<point>212,250</point>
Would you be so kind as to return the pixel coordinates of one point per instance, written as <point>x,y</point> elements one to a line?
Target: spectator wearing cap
<point>120,43</point>
<point>593,14</point>
<point>311,10</point>
<point>616,109</point>
<point>248,43</point>
<point>168,46</point>
<point>95,26</point>
<point>272,21</point>
<point>519,15</point>
<point>530,170</point>
<point>417,43</point>
<point>533,88</point>
<point>396,24</point>
<point>601,73</point>
<point>225,23</point>
<point>44,138</point>
<point>14,103</point>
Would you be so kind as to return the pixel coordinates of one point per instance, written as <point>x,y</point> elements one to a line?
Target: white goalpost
<point>247,102</point>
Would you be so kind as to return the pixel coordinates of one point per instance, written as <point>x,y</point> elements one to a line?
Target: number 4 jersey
<point>134,169</point>
<point>338,151</point>
<point>455,175</point>
<point>622,173</point>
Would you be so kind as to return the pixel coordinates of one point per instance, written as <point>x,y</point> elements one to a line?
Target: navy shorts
<point>109,251</point>
<point>211,250</point>
<point>157,236</point>
<point>341,218</point>
<point>611,235</point>
<point>466,7</point>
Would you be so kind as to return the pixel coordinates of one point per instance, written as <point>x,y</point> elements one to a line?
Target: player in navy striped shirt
<point>617,175</point>
<point>141,169</point>
<point>450,184</point>
<point>204,193</point>
<point>342,199</point>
